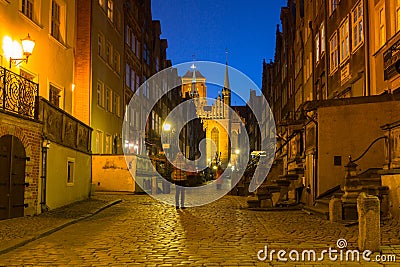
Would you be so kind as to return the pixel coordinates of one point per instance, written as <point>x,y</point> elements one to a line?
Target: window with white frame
<point>317,48</point>
<point>397,15</point>
<point>357,25</point>
<point>344,40</point>
<point>381,26</point>
<point>322,34</point>
<point>110,9</point>
<point>334,53</point>
<point>100,93</point>
<point>70,171</point>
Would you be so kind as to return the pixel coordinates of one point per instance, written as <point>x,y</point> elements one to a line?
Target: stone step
<point>322,203</point>
<point>321,212</point>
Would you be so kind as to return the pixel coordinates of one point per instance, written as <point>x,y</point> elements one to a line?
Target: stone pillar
<point>369,236</point>
<point>335,209</point>
<point>352,188</point>
<point>284,185</point>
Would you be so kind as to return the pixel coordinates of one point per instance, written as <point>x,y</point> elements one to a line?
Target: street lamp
<point>167,128</point>
<point>27,47</point>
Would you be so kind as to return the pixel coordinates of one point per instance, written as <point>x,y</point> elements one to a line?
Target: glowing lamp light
<point>167,127</point>
<point>237,151</point>
<point>15,52</point>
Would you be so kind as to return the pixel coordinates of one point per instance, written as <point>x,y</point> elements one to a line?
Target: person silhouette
<point>179,177</point>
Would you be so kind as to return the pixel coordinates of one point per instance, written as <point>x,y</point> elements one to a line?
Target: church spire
<point>226,80</point>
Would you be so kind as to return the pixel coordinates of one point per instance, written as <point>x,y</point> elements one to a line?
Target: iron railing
<point>18,94</point>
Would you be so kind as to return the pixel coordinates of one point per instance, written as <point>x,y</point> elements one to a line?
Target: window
<point>100,44</point>
<point>215,140</point>
<point>109,100</point>
<point>358,35</point>
<point>99,142</point>
<point>133,76</point>
<point>108,149</point>
<point>117,103</point>
<point>322,33</point>
<point>344,40</point>
<point>397,15</point>
<point>317,50</point>
<point>55,20</point>
<point>381,26</point>
<point>117,62</point>
<point>108,55</point>
<point>101,3</point>
<point>128,32</point>
<point>110,9</point>
<point>27,8</point>
<point>128,75</point>
<point>54,95</point>
<point>100,94</point>
<point>332,6</point>
<point>334,59</point>
<point>70,171</point>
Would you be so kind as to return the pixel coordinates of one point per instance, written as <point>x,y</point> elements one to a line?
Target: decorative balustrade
<point>63,128</point>
<point>17,94</point>
<point>392,145</point>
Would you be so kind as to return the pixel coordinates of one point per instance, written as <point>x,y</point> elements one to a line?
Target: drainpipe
<point>366,48</point>
<point>45,147</point>
<point>315,161</point>
<point>327,56</point>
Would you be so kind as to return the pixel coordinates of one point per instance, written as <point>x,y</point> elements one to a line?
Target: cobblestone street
<point>141,231</point>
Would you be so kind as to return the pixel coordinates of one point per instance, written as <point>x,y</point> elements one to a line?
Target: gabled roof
<point>189,74</point>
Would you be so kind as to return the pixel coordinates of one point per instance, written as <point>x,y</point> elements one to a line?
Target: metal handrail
<point>365,152</point>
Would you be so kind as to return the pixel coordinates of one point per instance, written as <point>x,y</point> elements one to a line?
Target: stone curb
<point>23,241</point>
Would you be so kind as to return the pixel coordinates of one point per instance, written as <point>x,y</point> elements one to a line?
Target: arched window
<point>215,139</point>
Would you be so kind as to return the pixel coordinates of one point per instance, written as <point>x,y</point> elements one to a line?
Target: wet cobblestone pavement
<point>143,232</point>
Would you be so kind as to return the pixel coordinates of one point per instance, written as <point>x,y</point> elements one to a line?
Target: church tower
<point>226,91</point>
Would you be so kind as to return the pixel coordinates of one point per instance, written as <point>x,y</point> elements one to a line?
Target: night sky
<point>206,28</point>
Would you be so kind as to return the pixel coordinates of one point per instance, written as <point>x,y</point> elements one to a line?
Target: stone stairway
<point>321,206</point>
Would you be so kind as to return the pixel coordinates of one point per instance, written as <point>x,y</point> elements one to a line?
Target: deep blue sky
<point>205,28</point>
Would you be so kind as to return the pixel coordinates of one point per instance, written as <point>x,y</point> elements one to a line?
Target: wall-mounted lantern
<point>27,47</point>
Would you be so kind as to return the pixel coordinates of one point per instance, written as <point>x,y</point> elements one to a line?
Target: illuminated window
<point>334,57</point>
<point>110,9</point>
<point>27,8</point>
<point>344,40</point>
<point>101,3</point>
<point>358,32</point>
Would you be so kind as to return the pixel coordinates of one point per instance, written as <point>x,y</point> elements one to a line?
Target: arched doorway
<point>12,177</point>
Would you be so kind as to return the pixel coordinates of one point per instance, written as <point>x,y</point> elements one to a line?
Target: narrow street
<point>141,231</point>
